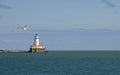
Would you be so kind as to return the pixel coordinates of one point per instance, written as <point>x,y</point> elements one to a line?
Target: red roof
<point>38,45</point>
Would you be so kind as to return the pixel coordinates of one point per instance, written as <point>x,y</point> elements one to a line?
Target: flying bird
<point>23,27</point>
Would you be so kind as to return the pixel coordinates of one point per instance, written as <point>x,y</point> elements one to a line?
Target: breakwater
<point>11,51</point>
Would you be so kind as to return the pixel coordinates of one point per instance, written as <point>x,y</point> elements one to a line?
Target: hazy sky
<point>61,24</point>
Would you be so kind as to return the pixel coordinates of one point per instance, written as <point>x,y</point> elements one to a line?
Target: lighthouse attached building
<point>37,47</point>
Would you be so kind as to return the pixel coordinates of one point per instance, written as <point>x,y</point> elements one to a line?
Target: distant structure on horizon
<point>37,47</point>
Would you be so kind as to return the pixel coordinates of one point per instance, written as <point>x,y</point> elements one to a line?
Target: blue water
<point>61,63</point>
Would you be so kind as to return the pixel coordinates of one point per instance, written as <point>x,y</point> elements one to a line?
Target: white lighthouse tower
<point>37,47</point>
<point>36,40</point>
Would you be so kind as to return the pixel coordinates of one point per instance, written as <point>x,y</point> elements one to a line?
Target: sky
<point>60,24</point>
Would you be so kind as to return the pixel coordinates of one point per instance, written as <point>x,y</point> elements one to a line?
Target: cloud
<point>5,7</point>
<point>109,3</point>
<point>9,40</point>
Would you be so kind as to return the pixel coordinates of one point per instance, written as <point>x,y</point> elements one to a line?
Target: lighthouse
<point>36,40</point>
<point>37,46</point>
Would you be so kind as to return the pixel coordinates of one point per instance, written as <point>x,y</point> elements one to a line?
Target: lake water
<point>61,63</point>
